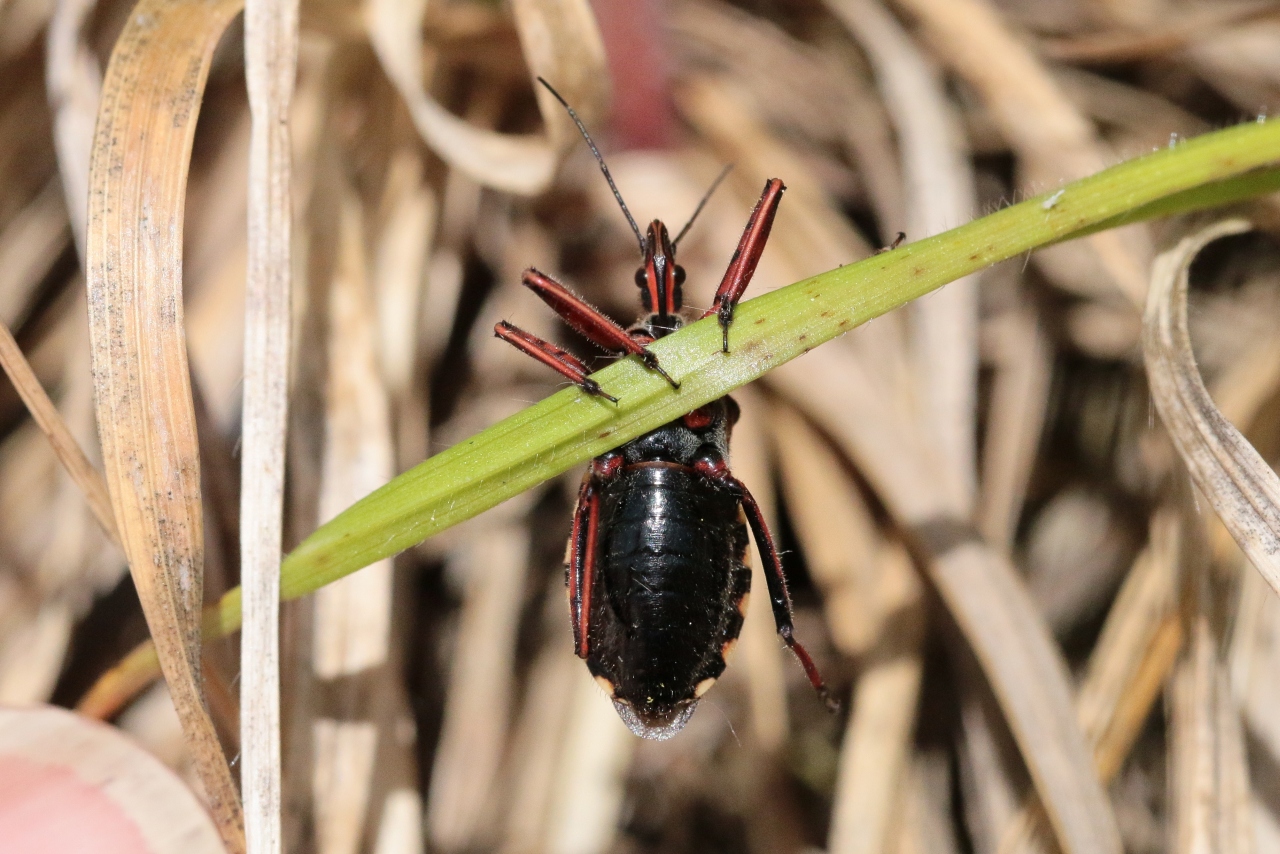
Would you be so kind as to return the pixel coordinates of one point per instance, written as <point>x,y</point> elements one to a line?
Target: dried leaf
<point>561,43</point>
<point>142,381</point>
<point>1239,485</point>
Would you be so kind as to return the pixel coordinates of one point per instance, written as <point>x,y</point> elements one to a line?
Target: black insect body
<point>656,566</point>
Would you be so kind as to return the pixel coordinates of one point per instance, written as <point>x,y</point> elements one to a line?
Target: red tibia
<point>750,247</point>
<point>810,669</point>
<point>561,361</point>
<point>581,316</point>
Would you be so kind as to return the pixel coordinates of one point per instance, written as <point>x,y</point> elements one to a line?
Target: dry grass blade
<point>873,601</point>
<point>1255,638</point>
<point>561,43</point>
<point>1135,653</point>
<point>1136,650</point>
<point>29,245</point>
<point>876,748</point>
<point>50,422</point>
<point>75,87</point>
<point>1149,38</point>
<point>352,618</point>
<point>1210,787</point>
<point>142,382</point>
<point>1028,676</point>
<point>468,758</point>
<point>271,53</point>
<point>939,195</point>
<point>1240,486</point>
<point>1020,348</point>
<point>758,648</point>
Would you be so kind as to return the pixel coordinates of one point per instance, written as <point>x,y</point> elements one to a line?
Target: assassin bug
<point>656,562</point>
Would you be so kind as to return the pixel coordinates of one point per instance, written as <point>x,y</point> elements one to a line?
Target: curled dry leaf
<point>561,43</point>
<point>1238,483</point>
<point>146,418</point>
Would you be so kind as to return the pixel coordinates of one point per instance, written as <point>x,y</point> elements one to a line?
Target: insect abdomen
<point>671,575</point>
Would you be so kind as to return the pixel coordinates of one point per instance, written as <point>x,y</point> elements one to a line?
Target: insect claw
<point>897,241</point>
<point>651,362</point>
<point>593,388</point>
<point>725,316</point>
<point>832,704</point>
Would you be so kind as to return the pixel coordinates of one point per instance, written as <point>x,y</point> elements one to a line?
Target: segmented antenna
<point>603,168</point>
<point>701,204</point>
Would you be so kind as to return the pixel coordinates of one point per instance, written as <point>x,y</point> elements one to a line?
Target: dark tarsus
<point>656,565</point>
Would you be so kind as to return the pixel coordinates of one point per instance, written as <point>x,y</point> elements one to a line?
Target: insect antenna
<point>701,204</point>
<point>599,159</point>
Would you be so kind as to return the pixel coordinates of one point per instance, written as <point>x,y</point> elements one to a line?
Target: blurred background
<point>433,702</point>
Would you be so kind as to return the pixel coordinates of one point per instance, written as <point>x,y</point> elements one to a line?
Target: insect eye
<point>679,275</point>
<point>640,278</point>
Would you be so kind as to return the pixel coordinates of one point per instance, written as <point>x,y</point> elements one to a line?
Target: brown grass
<point>1041,634</point>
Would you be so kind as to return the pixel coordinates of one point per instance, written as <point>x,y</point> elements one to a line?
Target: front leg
<point>713,467</point>
<point>750,248</point>
<point>559,360</point>
<point>588,320</point>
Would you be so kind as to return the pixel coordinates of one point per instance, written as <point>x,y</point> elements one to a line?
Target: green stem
<point>570,427</point>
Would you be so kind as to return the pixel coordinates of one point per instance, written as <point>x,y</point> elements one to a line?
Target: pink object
<point>633,33</point>
<point>46,809</point>
<point>69,785</point>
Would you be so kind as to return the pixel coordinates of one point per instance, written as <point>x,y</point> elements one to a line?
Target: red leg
<point>584,547</point>
<point>561,361</point>
<point>588,320</point>
<point>750,247</point>
<point>715,469</point>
